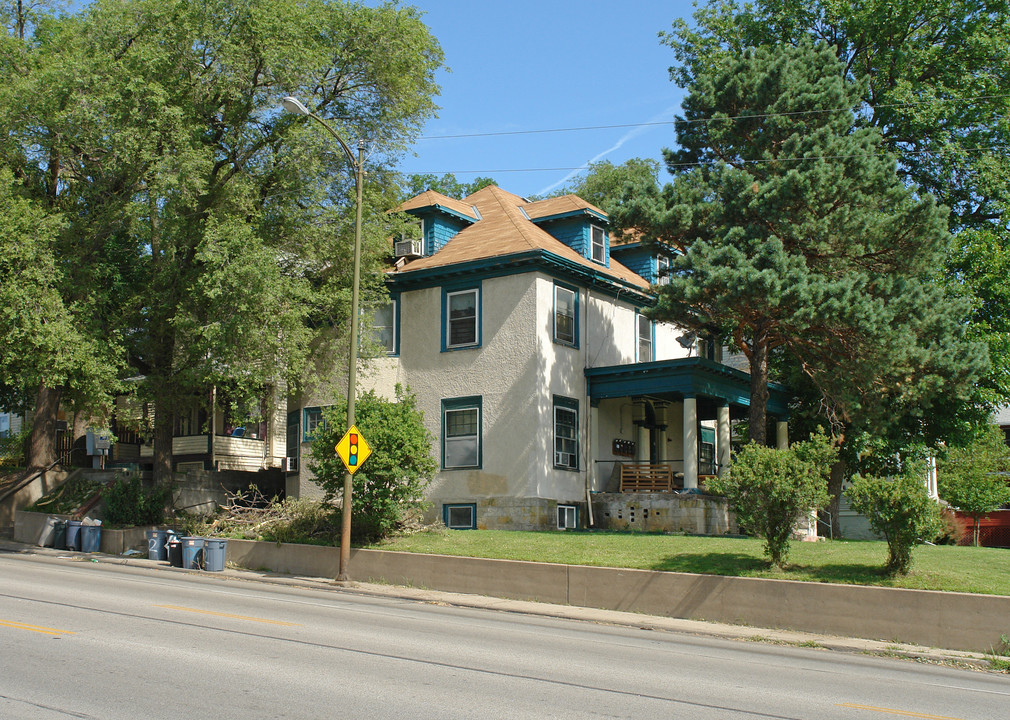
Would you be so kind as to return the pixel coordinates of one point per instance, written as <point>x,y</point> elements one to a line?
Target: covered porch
<point>667,426</point>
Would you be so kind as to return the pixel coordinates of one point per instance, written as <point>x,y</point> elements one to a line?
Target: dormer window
<point>663,270</point>
<point>599,245</point>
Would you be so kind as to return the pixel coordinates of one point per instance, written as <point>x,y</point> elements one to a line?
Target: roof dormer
<point>440,218</point>
<point>575,222</point>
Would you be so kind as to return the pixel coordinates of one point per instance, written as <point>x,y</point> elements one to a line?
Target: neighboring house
<point>1002,418</point>
<point>236,443</point>
<point>522,332</point>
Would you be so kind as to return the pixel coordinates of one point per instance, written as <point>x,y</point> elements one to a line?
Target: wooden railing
<point>645,477</point>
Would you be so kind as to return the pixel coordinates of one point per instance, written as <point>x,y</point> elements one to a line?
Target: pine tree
<point>790,231</point>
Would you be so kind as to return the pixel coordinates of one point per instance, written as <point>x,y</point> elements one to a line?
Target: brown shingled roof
<point>504,230</point>
<point>430,198</point>
<point>559,206</point>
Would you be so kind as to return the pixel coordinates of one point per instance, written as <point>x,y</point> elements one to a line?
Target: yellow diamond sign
<point>353,449</point>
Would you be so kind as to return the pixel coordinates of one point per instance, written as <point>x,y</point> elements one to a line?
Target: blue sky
<point>526,65</point>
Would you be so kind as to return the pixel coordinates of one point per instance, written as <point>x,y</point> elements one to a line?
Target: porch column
<point>690,442</point>
<point>782,435</point>
<point>661,423</point>
<point>722,438</point>
<point>641,431</point>
<point>594,438</point>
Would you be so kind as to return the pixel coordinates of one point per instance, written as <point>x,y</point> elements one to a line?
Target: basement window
<point>460,516</point>
<point>568,517</point>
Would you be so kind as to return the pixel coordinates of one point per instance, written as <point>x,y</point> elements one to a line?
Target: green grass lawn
<point>950,568</point>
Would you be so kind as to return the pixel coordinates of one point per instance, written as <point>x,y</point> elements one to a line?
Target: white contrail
<point>634,132</point>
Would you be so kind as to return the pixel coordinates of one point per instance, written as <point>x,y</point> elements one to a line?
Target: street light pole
<point>293,105</point>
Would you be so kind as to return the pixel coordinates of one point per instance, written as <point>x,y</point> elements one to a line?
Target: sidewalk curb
<point>957,658</point>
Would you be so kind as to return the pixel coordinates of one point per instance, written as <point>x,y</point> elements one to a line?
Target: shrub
<point>772,490</point>
<point>128,502</point>
<point>391,483</point>
<point>900,510</point>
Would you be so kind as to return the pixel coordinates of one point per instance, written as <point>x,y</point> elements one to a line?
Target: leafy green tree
<point>448,185</point>
<point>900,510</point>
<point>771,490</point>
<point>603,183</point>
<point>390,485</point>
<point>790,232</point>
<point>932,78</point>
<point>974,479</point>
<point>158,124</point>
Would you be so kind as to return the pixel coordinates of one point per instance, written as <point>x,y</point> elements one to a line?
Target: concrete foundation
<point>663,512</point>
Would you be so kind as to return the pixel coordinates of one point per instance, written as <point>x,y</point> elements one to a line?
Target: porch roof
<point>677,379</point>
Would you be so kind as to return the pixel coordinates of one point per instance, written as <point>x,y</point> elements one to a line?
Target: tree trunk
<point>164,426</point>
<point>757,414</point>
<point>40,447</point>
<point>835,479</point>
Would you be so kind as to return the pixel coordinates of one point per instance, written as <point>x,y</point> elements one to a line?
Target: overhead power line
<point>619,126</point>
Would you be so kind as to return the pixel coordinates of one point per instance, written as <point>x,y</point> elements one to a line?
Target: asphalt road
<point>107,641</point>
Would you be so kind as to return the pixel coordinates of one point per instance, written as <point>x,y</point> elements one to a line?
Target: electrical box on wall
<point>624,448</point>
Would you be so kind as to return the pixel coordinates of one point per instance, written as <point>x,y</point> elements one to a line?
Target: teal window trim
<point>312,418</point>
<point>447,509</point>
<point>456,414</point>
<point>640,340</point>
<point>565,418</point>
<point>558,337</point>
<point>449,293</point>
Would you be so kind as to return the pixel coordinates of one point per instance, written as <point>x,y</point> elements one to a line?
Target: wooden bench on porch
<point>645,477</point>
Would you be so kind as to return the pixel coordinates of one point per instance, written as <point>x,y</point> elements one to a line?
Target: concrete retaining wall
<point>28,526</point>
<point>37,488</point>
<point>664,512</point>
<point>957,621</point>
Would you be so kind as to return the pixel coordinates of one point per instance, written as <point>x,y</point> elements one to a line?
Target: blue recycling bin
<point>192,553</point>
<point>156,549</point>
<point>91,538</point>
<point>214,553</point>
<point>73,535</point>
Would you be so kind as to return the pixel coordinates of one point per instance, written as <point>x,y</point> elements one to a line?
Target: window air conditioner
<point>291,464</point>
<point>407,248</point>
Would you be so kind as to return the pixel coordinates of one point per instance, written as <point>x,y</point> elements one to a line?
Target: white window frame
<point>601,245</point>
<point>644,344</point>
<point>449,321</point>
<point>461,440</point>
<point>390,349</point>
<point>663,270</point>
<point>573,305</point>
<point>568,517</point>
<point>566,444</point>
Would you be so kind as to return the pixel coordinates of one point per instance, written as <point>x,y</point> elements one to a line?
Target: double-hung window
<point>566,433</point>
<point>312,420</point>
<point>644,339</point>
<point>565,315</point>
<point>599,244</point>
<point>384,327</point>
<point>462,314</point>
<point>663,270</point>
<point>461,433</point>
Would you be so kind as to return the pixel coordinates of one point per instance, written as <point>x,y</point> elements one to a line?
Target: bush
<point>772,490</point>
<point>391,483</point>
<point>900,510</point>
<point>127,502</point>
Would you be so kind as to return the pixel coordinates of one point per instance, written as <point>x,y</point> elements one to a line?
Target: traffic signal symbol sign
<point>353,449</point>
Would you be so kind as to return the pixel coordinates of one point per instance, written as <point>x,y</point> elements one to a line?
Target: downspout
<point>589,422</point>
<point>213,427</point>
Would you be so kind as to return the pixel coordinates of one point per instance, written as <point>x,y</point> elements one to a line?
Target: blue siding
<point>573,232</point>
<point>441,230</point>
<point>638,260</point>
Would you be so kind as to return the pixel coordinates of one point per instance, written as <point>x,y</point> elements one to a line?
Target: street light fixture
<point>294,105</point>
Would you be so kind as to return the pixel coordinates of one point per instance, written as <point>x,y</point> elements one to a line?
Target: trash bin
<point>48,532</point>
<point>174,551</point>
<point>192,553</point>
<point>214,552</point>
<point>156,549</point>
<point>60,535</point>
<point>91,538</point>
<point>74,535</point>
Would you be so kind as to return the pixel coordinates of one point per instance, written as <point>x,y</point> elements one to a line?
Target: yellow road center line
<point>889,711</point>
<point>227,615</point>
<point>34,628</point>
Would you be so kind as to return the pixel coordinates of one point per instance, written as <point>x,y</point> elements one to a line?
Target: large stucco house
<point>520,328</point>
